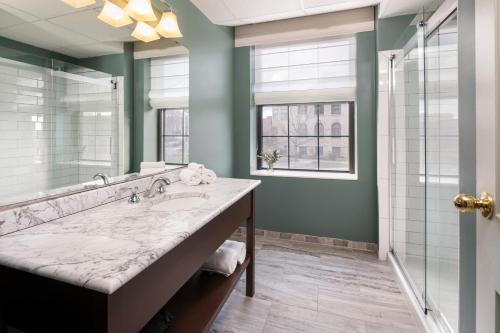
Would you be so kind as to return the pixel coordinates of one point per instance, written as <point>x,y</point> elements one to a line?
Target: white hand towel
<point>223,261</point>
<point>208,176</point>
<point>149,168</point>
<point>196,167</point>
<point>189,177</point>
<point>239,247</point>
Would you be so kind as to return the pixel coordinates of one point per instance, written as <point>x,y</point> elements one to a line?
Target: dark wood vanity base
<point>37,304</point>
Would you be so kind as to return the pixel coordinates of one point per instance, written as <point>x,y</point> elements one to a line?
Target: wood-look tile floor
<point>313,288</point>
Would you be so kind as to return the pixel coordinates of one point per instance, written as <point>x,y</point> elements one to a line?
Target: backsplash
<point>30,215</point>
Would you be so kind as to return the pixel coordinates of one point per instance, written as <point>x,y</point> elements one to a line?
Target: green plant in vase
<point>270,159</point>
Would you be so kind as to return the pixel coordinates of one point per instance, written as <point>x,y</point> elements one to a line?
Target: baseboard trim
<point>328,241</point>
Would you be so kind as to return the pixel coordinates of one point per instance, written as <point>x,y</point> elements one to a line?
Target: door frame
<point>487,161</point>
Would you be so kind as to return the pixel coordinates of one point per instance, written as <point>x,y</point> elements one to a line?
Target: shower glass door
<point>442,177</point>
<point>424,168</point>
<point>408,163</point>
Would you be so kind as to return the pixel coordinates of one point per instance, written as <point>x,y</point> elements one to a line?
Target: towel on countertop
<point>196,167</point>
<point>208,176</point>
<point>148,168</point>
<point>226,258</point>
<point>190,177</point>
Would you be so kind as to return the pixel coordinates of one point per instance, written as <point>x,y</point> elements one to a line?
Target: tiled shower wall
<point>47,121</point>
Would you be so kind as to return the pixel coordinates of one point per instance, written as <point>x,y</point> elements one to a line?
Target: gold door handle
<point>467,203</point>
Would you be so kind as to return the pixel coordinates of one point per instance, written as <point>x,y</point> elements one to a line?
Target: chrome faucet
<point>151,191</point>
<point>134,197</point>
<point>102,176</point>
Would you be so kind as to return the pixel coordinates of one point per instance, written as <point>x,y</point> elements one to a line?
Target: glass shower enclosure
<point>60,125</point>
<point>424,168</point>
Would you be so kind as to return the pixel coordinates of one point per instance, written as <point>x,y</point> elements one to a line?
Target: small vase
<point>270,168</point>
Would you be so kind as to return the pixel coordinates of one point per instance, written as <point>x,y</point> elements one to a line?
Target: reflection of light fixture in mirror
<point>145,32</point>
<point>79,3</point>
<point>114,15</point>
<point>141,10</point>
<point>168,26</point>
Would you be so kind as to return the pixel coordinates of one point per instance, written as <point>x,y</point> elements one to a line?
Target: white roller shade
<point>169,82</point>
<point>314,71</point>
<point>335,24</point>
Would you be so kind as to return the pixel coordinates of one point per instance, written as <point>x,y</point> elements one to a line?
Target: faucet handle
<point>134,197</point>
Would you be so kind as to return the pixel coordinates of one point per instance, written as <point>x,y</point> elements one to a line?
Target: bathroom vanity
<point>111,268</point>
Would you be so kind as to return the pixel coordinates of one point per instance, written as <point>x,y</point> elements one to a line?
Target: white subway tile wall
<point>56,128</point>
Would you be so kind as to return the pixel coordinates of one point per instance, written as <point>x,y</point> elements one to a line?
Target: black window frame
<point>351,137</point>
<point>162,135</point>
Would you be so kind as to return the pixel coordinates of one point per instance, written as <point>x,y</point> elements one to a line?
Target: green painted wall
<point>394,32</point>
<point>211,92</point>
<point>335,208</point>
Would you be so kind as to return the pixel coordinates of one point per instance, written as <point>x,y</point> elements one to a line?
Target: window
<point>305,93</point>
<point>299,132</point>
<point>174,136</point>
<point>336,129</point>
<point>170,95</point>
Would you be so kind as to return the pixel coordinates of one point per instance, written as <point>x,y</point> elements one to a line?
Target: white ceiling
<point>55,26</point>
<point>389,8</point>
<point>240,12</point>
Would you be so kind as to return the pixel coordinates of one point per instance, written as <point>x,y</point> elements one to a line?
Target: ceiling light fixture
<point>168,26</point>
<point>114,15</point>
<point>79,3</point>
<point>145,32</point>
<point>141,10</point>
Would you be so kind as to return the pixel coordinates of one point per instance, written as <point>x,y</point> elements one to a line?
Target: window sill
<point>305,174</point>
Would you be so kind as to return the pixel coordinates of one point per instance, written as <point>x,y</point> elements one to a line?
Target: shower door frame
<point>466,305</point>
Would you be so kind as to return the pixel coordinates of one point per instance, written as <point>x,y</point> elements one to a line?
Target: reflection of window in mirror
<point>170,95</point>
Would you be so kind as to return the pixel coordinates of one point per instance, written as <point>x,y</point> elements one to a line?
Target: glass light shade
<point>168,26</point>
<point>141,10</point>
<point>145,32</point>
<point>114,15</point>
<point>79,3</point>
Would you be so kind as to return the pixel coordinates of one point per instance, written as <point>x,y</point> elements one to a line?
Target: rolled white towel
<point>224,260</point>
<point>189,177</point>
<point>208,176</point>
<point>239,247</point>
<point>196,167</point>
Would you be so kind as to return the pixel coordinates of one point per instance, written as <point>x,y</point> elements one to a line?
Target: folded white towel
<point>189,177</point>
<point>148,168</point>
<point>225,258</point>
<point>208,176</point>
<point>196,167</point>
<point>153,165</point>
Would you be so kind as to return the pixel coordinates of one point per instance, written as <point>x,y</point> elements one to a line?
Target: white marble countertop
<point>104,247</point>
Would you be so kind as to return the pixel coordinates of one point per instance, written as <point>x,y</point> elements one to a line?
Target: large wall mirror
<point>70,98</point>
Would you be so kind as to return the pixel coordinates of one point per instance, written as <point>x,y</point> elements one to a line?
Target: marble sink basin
<point>179,201</point>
